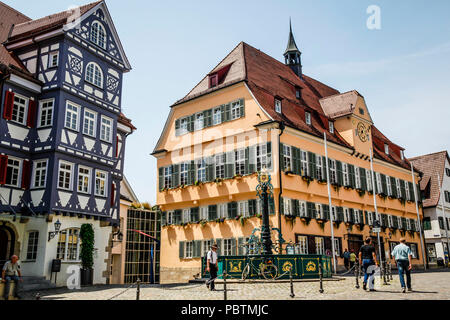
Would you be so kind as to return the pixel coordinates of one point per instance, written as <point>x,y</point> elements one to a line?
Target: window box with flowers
<point>361,192</point>
<point>238,176</point>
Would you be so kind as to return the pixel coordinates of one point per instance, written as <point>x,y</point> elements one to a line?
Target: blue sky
<point>402,69</point>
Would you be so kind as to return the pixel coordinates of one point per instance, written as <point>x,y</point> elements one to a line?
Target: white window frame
<point>320,245</point>
<point>199,121</point>
<point>370,218</point>
<point>287,207</point>
<point>302,245</point>
<point>278,105</point>
<point>72,115</point>
<point>89,123</point>
<point>356,216</point>
<point>397,185</point>
<point>51,59</point>
<point>83,175</point>
<point>337,249</point>
<point>227,247</point>
<point>333,213</point>
<point>320,214</point>
<point>189,250</point>
<point>41,171</point>
<point>184,173</point>
<point>304,162</point>
<point>369,180</point>
<point>242,207</point>
<point>331,126</point>
<point>239,162</point>
<point>319,167</point>
<point>378,180</point>
<point>308,118</point>
<point>333,173</point>
<point>105,179</point>
<point>206,245</point>
<point>66,171</point>
<point>20,107</point>
<point>222,210</point>
<point>34,245</point>
<point>345,174</point>
<point>184,122</point>
<point>219,166</point>
<point>170,217</point>
<point>235,110</point>
<point>388,186</point>
<point>186,215</point>
<point>17,167</point>
<point>94,76</point>
<point>66,244</point>
<point>390,221</point>
<point>203,213</point>
<point>386,148</point>
<point>96,34</point>
<point>407,191</point>
<point>200,170</point>
<point>357,178</point>
<point>302,209</point>
<point>44,110</point>
<point>167,176</point>
<point>217,116</point>
<point>347,217</point>
<point>105,128</point>
<point>261,156</point>
<point>287,157</point>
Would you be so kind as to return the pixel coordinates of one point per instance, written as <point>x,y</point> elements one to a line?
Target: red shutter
<point>117,146</point>
<point>31,118</point>
<point>113,193</point>
<point>26,174</point>
<point>8,107</point>
<point>3,167</point>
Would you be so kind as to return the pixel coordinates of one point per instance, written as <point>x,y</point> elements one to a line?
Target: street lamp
<point>264,192</point>
<point>52,234</point>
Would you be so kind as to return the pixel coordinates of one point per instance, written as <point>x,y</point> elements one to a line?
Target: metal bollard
<point>138,289</point>
<point>357,275</point>
<point>383,270</point>
<point>225,285</point>
<point>320,278</point>
<point>390,271</point>
<point>292,284</point>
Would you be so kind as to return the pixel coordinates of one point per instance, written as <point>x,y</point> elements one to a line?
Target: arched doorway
<point>7,243</point>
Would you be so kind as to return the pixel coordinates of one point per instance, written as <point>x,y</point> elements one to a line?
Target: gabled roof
<point>431,165</point>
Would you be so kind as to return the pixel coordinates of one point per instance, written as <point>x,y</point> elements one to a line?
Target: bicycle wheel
<point>269,271</point>
<point>245,272</point>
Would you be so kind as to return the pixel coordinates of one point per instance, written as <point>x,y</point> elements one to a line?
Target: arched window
<point>68,245</point>
<point>98,34</point>
<point>94,74</point>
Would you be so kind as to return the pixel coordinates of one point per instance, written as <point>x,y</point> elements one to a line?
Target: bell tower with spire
<point>292,56</point>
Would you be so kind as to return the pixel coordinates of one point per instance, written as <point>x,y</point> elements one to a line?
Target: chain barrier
<point>123,291</point>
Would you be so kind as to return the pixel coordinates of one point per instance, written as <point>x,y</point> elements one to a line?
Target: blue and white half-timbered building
<point>62,136</point>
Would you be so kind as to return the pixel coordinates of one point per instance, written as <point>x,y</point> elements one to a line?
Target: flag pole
<point>329,203</point>
<point>445,221</point>
<point>416,197</point>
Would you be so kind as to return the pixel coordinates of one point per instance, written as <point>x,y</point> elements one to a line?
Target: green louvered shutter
<point>324,168</point>
<point>163,218</point>
<point>212,212</point>
<point>384,183</point>
<point>247,161</point>
<point>352,215</point>
<point>351,175</point>
<point>242,107</point>
<point>281,156</point>
<point>296,208</point>
<point>207,116</point>
<point>161,178</point>
<point>340,214</point>
<point>190,125</point>
<point>340,173</point>
<point>403,189</point>
<point>312,165</point>
<point>310,210</point>
<point>271,206</point>
<point>363,177</point>
<point>394,188</point>
<point>229,166</point>
<point>222,113</point>
<point>175,175</point>
<point>177,217</point>
<point>282,205</point>
<point>181,249</point>
<point>252,207</point>
<point>191,173</point>
<point>296,160</point>
<point>228,112</point>
<point>209,169</point>
<point>326,211</point>
<point>419,193</point>
<point>177,126</point>
<point>411,191</point>
<point>241,246</point>
<point>252,160</point>
<point>269,155</point>
<point>197,246</point>
<point>232,210</point>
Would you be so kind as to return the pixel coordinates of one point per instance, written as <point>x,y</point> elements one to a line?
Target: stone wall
<point>178,275</point>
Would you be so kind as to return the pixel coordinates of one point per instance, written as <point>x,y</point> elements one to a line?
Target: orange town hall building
<point>250,112</point>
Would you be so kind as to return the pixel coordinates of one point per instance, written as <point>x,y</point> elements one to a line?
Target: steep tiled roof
<point>37,26</point>
<point>9,17</point>
<point>126,121</point>
<point>431,165</point>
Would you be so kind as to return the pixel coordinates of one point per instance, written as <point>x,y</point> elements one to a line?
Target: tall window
<point>220,166</point>
<point>320,245</point>
<point>189,250</point>
<point>98,34</point>
<point>33,238</point>
<point>170,217</point>
<point>304,163</point>
<point>19,109</point>
<point>357,178</point>
<point>204,213</point>
<point>89,122</point>
<point>68,245</point>
<point>40,173</point>
<point>347,216</point>
<point>319,164</point>
<point>222,210</point>
<point>65,175</point>
<point>228,247</point>
<point>261,156</point>
<point>235,110</point>
<point>332,165</point>
<point>240,162</point>
<point>94,74</point>
<point>379,184</point>
<point>206,245</point>
<point>356,216</point>
<point>100,183</point>
<point>369,180</point>
<point>407,191</point>
<point>389,186</point>
<point>337,249</point>
<point>168,177</point>
<point>184,167</point>
<point>186,215</point>
<point>12,172</point>
<point>106,129</point>
<point>199,121</point>
<point>201,170</point>
<point>308,118</point>
<point>243,208</point>
<point>183,125</point>
<point>345,174</point>
<point>287,208</point>
<point>287,158</point>
<point>217,116</point>
<point>302,245</point>
<point>72,111</point>
<point>302,208</point>
<point>84,179</point>
<point>45,113</point>
<point>319,211</point>
<point>399,189</point>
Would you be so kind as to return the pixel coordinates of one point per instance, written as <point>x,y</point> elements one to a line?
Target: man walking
<point>212,267</point>
<point>346,256</point>
<point>402,256</point>
<point>11,272</point>
<point>352,258</point>
<point>368,260</point>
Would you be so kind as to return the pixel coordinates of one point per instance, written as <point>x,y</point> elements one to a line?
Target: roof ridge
<point>17,11</point>
<point>427,155</point>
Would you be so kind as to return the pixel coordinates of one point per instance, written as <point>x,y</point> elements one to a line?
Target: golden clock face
<point>362,132</point>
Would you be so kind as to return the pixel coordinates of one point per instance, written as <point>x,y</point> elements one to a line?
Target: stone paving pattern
<point>426,286</point>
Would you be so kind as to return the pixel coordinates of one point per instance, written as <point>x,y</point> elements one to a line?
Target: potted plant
<point>87,254</point>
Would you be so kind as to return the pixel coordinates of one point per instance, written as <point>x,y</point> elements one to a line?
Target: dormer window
<point>98,34</point>
<point>331,126</point>
<point>278,105</point>
<point>386,148</point>
<point>308,118</point>
<point>402,154</point>
<point>298,92</point>
<point>213,80</point>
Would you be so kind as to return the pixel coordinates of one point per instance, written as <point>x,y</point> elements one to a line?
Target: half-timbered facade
<point>62,134</point>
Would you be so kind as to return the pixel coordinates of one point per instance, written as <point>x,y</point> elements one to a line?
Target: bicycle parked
<point>266,269</point>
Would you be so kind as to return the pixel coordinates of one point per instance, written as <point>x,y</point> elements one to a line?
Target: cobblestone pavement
<point>426,286</point>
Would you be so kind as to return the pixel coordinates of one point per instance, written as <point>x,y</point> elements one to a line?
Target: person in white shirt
<point>211,267</point>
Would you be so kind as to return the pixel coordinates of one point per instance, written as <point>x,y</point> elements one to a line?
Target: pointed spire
<point>291,46</point>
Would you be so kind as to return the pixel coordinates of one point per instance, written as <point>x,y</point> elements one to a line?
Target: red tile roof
<point>126,121</point>
<point>431,165</point>
<point>53,21</point>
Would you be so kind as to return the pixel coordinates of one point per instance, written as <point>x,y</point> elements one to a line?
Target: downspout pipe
<point>280,158</point>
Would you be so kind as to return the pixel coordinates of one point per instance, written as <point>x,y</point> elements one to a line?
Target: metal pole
<point>357,275</point>
<point>445,221</point>
<point>320,276</point>
<point>138,289</point>
<point>265,228</point>
<point>292,284</point>
<point>329,203</point>
<point>416,197</point>
<point>225,285</point>
<point>376,208</point>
